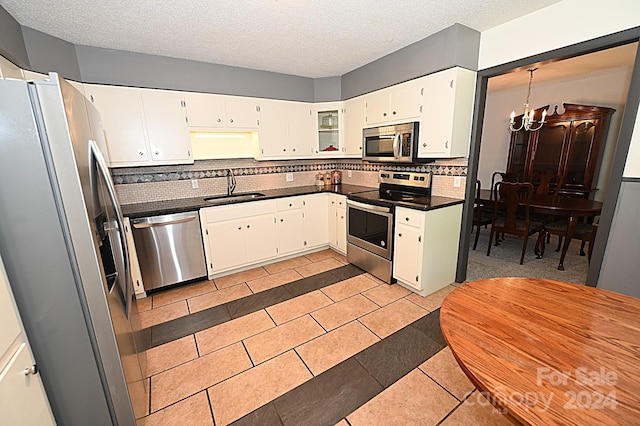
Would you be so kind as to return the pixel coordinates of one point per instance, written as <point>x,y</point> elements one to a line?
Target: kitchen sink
<point>234,197</point>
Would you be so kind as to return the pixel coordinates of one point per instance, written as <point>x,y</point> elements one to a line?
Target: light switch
<point>194,184</point>
<point>457,181</point>
<point>289,177</point>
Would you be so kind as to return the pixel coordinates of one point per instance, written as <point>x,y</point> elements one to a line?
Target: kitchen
<point>442,184</point>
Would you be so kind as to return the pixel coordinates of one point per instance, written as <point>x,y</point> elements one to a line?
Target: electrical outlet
<point>457,181</point>
<point>194,184</point>
<point>289,177</point>
<point>349,173</point>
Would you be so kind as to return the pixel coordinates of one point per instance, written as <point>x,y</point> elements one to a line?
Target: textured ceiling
<point>310,38</point>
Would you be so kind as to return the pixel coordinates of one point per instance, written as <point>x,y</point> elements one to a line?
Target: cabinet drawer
<point>409,217</point>
<point>251,208</point>
<point>288,203</point>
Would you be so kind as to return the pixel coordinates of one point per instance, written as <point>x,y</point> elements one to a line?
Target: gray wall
<point>620,269</point>
<point>456,45</point>
<point>142,70</point>
<point>47,53</point>
<point>327,89</point>
<point>11,42</point>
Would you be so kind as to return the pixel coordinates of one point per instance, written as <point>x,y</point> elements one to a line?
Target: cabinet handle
<point>219,120</point>
<point>33,370</point>
<point>290,204</point>
<point>407,219</point>
<point>424,145</point>
<point>157,152</point>
<point>294,150</point>
<point>384,114</point>
<point>360,148</point>
<point>284,150</point>
<point>231,120</point>
<point>394,113</point>
<point>248,226</point>
<point>417,278</point>
<point>141,153</point>
<point>446,144</point>
<point>239,228</point>
<point>281,220</point>
<point>399,235</point>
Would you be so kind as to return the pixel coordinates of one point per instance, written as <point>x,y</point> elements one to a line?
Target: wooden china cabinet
<point>569,144</point>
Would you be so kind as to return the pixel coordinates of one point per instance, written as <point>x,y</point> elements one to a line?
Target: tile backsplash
<point>155,183</point>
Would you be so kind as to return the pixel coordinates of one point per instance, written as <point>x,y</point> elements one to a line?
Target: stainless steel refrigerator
<point>62,240</point>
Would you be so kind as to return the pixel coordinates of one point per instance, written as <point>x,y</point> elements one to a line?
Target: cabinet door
<point>123,124</point>
<point>273,130</point>
<point>377,107</point>
<point>300,121</point>
<point>226,244</point>
<point>329,124</point>
<point>260,237</point>
<point>316,221</point>
<point>581,156</point>
<point>23,399</point>
<point>406,101</point>
<point>407,255</point>
<point>290,231</point>
<point>354,122</point>
<point>167,128</point>
<point>332,208</point>
<point>341,229</point>
<point>437,114</point>
<point>241,114</point>
<point>205,111</point>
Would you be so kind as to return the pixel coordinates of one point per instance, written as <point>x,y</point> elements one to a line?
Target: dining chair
<point>481,215</point>
<point>586,232</point>
<point>547,184</point>
<point>512,198</point>
<point>503,177</point>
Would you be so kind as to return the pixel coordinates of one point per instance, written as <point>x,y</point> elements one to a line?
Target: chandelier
<point>528,118</point>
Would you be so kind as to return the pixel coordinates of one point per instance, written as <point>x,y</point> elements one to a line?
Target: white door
<point>406,101</point>
<point>354,122</point>
<point>377,107</point>
<point>407,254</point>
<point>226,244</point>
<point>241,114</point>
<point>167,128</point>
<point>437,112</point>
<point>273,135</point>
<point>123,124</point>
<point>290,231</point>
<point>204,110</point>
<point>260,237</point>
<point>300,121</point>
<point>316,220</point>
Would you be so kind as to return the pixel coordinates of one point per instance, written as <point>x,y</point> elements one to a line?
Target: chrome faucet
<point>231,182</point>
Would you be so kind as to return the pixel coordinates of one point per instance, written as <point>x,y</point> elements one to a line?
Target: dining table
<point>573,208</point>
<point>547,352</point>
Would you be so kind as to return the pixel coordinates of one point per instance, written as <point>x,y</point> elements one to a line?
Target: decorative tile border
<point>139,175</point>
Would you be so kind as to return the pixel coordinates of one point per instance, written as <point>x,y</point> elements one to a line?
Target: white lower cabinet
<point>426,247</point>
<point>23,400</point>
<point>337,212</point>
<point>239,236</point>
<point>316,223</point>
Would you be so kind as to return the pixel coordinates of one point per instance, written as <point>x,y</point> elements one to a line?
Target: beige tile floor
<point>229,370</point>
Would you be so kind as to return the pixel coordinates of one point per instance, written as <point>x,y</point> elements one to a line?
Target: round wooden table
<point>548,352</point>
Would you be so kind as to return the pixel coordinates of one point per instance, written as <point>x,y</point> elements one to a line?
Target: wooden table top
<point>559,205</point>
<point>546,351</point>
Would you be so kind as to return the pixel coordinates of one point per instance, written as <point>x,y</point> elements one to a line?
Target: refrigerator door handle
<point>103,169</point>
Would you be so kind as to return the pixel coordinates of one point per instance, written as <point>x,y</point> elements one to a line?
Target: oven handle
<point>364,206</point>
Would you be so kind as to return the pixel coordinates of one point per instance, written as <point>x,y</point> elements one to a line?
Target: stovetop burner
<point>405,187</point>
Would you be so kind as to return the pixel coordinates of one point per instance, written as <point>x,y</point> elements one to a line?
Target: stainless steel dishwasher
<point>169,249</point>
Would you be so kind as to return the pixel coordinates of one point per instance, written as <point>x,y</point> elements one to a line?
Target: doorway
<point>613,159</point>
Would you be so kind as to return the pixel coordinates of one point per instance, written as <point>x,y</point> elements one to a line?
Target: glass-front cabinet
<point>568,145</point>
<point>329,125</point>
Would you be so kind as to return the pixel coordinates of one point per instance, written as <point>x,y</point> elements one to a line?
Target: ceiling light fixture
<point>528,120</point>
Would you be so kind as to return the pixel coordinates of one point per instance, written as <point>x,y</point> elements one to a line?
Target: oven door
<point>370,227</point>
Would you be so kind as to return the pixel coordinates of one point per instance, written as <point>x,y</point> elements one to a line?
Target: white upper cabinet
<point>285,130</point>
<point>167,129</point>
<point>142,127</point>
<point>220,113</point>
<point>328,120</point>
<point>445,128</point>
<point>354,122</point>
<point>396,104</point>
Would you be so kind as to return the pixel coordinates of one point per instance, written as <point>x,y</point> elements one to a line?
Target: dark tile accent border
<point>180,327</point>
<point>339,391</point>
<point>127,176</point>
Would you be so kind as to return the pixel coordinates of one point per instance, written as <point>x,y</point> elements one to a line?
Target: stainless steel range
<point>370,218</point>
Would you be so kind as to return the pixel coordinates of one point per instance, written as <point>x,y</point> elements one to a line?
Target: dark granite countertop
<point>430,203</point>
<point>179,205</point>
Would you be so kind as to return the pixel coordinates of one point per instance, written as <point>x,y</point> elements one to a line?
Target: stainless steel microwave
<point>396,143</point>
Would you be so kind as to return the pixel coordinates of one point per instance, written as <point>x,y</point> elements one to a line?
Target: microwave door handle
<point>396,145</point>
